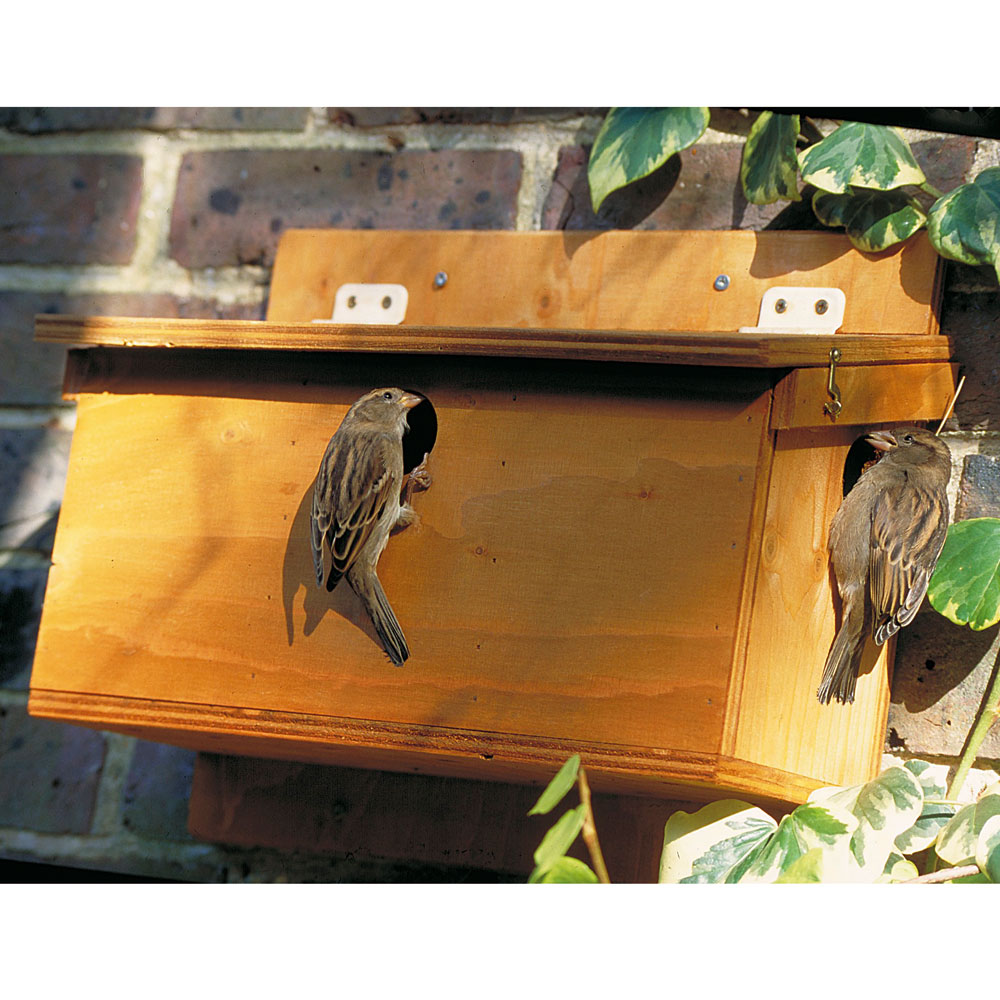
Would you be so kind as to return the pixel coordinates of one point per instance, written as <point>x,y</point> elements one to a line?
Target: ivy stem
<point>945,875</point>
<point>590,830</point>
<point>931,190</point>
<point>987,716</point>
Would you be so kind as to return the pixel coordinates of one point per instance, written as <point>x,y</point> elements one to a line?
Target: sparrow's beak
<point>882,440</point>
<point>410,399</point>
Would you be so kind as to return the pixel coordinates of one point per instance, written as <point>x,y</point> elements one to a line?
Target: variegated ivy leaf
<point>959,840</point>
<point>965,587</point>
<point>714,844</point>
<point>811,825</point>
<point>769,169</point>
<point>633,142</point>
<point>874,220</point>
<point>557,841</point>
<point>988,849</point>
<point>860,155</point>
<point>933,816</point>
<point>569,870</point>
<point>965,223</point>
<point>898,869</point>
<point>557,788</point>
<point>808,868</point>
<point>884,808</point>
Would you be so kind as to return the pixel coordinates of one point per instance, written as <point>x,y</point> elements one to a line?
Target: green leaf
<point>713,844</point>
<point>811,825</point>
<point>859,155</point>
<point>808,868</point>
<point>959,840</point>
<point>988,849</point>
<point>932,817</point>
<point>769,169</point>
<point>557,841</point>
<point>557,787</point>
<point>965,587</point>
<point>874,220</point>
<point>568,870</point>
<point>883,808</point>
<point>633,142</point>
<point>965,223</point>
<point>898,869</point>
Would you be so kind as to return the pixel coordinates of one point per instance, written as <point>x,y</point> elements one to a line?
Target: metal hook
<point>833,408</point>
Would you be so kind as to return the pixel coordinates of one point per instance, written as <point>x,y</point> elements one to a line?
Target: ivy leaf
<point>808,868</point>
<point>959,840</point>
<point>557,787</point>
<point>860,155</point>
<point>557,841</point>
<point>811,825</point>
<point>769,170</point>
<point>965,223</point>
<point>932,817</point>
<point>874,220</point>
<point>965,587</point>
<point>568,870</point>
<point>898,869</point>
<point>714,844</point>
<point>633,142</point>
<point>884,808</point>
<point>988,849</point>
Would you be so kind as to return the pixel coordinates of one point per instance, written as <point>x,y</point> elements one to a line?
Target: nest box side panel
<point>779,721</point>
<point>575,575</point>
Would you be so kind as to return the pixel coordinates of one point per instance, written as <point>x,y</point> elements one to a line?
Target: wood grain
<point>869,395</point>
<point>744,350</point>
<point>620,280</point>
<point>553,556</point>
<point>780,722</point>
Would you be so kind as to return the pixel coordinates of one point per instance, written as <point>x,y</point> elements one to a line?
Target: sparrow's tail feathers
<point>389,632</point>
<point>840,676</point>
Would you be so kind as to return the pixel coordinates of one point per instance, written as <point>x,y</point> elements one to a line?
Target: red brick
<point>41,120</point>
<point>21,593</point>
<point>232,206</point>
<point>699,189</point>
<point>69,209</point>
<point>973,323</point>
<point>49,772</point>
<point>155,797</point>
<point>32,372</point>
<point>979,490</point>
<point>941,672</point>
<point>374,117</point>
<point>33,464</point>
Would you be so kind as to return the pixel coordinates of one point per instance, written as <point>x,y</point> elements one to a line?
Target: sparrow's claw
<point>420,476</point>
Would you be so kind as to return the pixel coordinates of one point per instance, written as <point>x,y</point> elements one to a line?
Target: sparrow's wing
<point>355,483</point>
<point>908,530</point>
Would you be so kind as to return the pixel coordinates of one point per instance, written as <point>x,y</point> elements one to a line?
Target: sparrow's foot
<point>420,477</point>
<point>407,516</point>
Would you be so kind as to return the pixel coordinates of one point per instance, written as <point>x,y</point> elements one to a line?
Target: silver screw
<point>386,302</point>
<point>780,306</point>
<point>721,283</point>
<point>821,307</point>
<point>440,279</point>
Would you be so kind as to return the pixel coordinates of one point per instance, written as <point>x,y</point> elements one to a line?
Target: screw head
<point>721,283</point>
<point>386,302</point>
<point>780,306</point>
<point>440,279</point>
<point>821,306</point>
<point>351,302</point>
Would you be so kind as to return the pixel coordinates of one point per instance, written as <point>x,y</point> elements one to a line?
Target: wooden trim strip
<point>745,350</point>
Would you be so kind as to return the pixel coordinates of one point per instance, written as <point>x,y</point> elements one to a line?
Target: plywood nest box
<point>623,551</point>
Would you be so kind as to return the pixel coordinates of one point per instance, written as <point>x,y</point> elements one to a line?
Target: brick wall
<point>177,212</point>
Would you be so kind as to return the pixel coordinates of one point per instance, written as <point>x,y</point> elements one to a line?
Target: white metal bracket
<point>800,310</point>
<point>369,304</point>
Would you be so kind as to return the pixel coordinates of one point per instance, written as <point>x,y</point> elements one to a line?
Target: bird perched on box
<point>884,542</point>
<point>357,501</point>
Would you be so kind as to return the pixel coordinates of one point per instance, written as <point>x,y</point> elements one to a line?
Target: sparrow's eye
<point>907,439</point>
<point>387,395</point>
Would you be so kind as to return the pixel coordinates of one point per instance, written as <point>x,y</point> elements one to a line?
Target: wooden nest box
<point>623,551</point>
